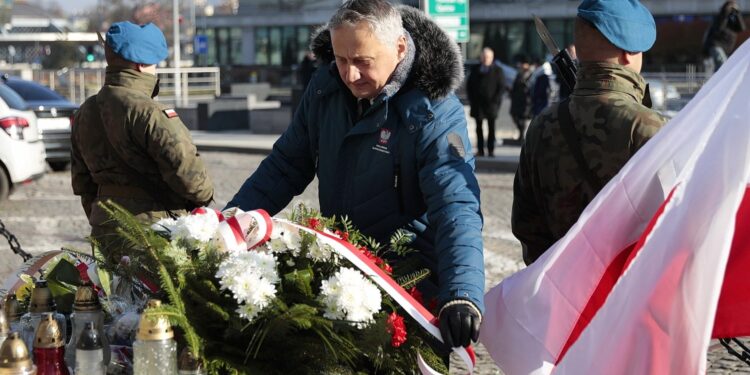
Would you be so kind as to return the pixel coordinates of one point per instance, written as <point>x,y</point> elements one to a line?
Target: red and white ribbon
<point>245,230</point>
<point>207,210</point>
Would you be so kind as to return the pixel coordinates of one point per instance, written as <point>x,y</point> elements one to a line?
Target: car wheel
<point>4,185</point>
<point>58,166</point>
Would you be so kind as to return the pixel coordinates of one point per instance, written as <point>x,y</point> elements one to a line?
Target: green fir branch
<point>399,243</point>
<point>179,319</point>
<point>127,224</point>
<point>371,244</point>
<point>412,279</point>
<point>206,307</point>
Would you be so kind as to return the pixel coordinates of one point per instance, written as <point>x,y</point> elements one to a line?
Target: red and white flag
<point>653,269</point>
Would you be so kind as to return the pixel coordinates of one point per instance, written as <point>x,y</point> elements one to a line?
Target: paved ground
<point>45,216</point>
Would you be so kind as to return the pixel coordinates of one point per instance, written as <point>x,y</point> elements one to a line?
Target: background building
<point>33,35</point>
<point>266,38</point>
<point>505,26</point>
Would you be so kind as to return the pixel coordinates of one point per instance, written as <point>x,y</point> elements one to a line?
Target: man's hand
<point>459,323</point>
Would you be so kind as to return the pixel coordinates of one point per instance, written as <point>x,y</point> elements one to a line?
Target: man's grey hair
<point>382,17</point>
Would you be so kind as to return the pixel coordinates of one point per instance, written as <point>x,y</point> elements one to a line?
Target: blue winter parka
<point>405,163</point>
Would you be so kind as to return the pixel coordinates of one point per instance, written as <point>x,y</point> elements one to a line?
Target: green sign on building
<point>451,15</point>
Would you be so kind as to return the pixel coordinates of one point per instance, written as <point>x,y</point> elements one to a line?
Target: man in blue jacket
<point>380,126</point>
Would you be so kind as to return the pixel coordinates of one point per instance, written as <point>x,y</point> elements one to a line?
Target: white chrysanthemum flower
<point>164,225</point>
<point>292,239</point>
<point>276,245</point>
<point>283,240</point>
<point>248,312</point>
<point>348,295</point>
<point>322,252</point>
<point>199,227</point>
<point>251,277</point>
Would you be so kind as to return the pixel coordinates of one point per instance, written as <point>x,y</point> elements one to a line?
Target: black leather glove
<point>459,323</point>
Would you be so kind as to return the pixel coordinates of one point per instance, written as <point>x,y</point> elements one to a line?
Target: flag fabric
<point>636,285</point>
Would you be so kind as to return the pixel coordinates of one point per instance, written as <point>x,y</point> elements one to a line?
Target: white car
<point>665,98</point>
<point>22,155</point>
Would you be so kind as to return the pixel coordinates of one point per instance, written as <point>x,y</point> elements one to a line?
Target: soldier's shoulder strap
<point>572,139</point>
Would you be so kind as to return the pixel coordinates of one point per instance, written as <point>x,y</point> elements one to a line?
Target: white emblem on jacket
<point>382,145</point>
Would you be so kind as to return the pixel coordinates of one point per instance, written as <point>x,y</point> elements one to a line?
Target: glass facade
<point>224,46</point>
<point>511,38</point>
<point>281,45</point>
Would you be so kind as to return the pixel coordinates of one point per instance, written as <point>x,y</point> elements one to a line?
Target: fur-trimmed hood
<point>438,65</point>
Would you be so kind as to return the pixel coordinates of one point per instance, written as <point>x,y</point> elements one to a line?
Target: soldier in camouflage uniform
<point>128,148</point>
<point>551,189</point>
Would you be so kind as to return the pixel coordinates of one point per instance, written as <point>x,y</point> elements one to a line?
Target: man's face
<point>487,57</point>
<point>364,62</point>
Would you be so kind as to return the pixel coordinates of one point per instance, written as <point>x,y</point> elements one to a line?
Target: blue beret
<point>139,44</point>
<point>625,23</point>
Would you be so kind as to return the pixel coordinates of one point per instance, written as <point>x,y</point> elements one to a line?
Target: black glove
<point>459,323</point>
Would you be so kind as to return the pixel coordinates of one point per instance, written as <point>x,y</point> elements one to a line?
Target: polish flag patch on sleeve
<point>171,113</point>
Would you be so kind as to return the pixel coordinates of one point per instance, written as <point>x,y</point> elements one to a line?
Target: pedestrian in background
<point>520,99</point>
<point>721,37</point>
<point>575,147</point>
<point>128,148</point>
<point>485,89</point>
<point>306,68</point>
<point>542,88</point>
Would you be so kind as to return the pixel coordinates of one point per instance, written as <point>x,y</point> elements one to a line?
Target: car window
<point>33,91</point>
<point>11,98</point>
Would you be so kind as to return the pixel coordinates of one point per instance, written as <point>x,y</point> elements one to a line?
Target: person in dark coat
<point>722,35</point>
<point>541,89</point>
<point>306,68</point>
<point>385,135</point>
<point>485,90</point>
<point>520,100</point>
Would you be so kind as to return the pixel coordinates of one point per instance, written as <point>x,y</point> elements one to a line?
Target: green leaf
<point>105,280</point>
<point>26,278</point>
<point>301,280</point>
<point>302,316</point>
<point>63,293</point>
<point>65,272</point>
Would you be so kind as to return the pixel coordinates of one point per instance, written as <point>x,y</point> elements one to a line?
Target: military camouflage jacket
<point>550,191</point>
<point>122,137</point>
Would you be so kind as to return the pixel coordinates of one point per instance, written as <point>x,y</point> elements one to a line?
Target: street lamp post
<point>176,56</point>
<point>208,11</point>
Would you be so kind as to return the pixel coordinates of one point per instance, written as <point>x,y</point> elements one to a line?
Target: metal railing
<point>198,84</point>
<point>671,91</point>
